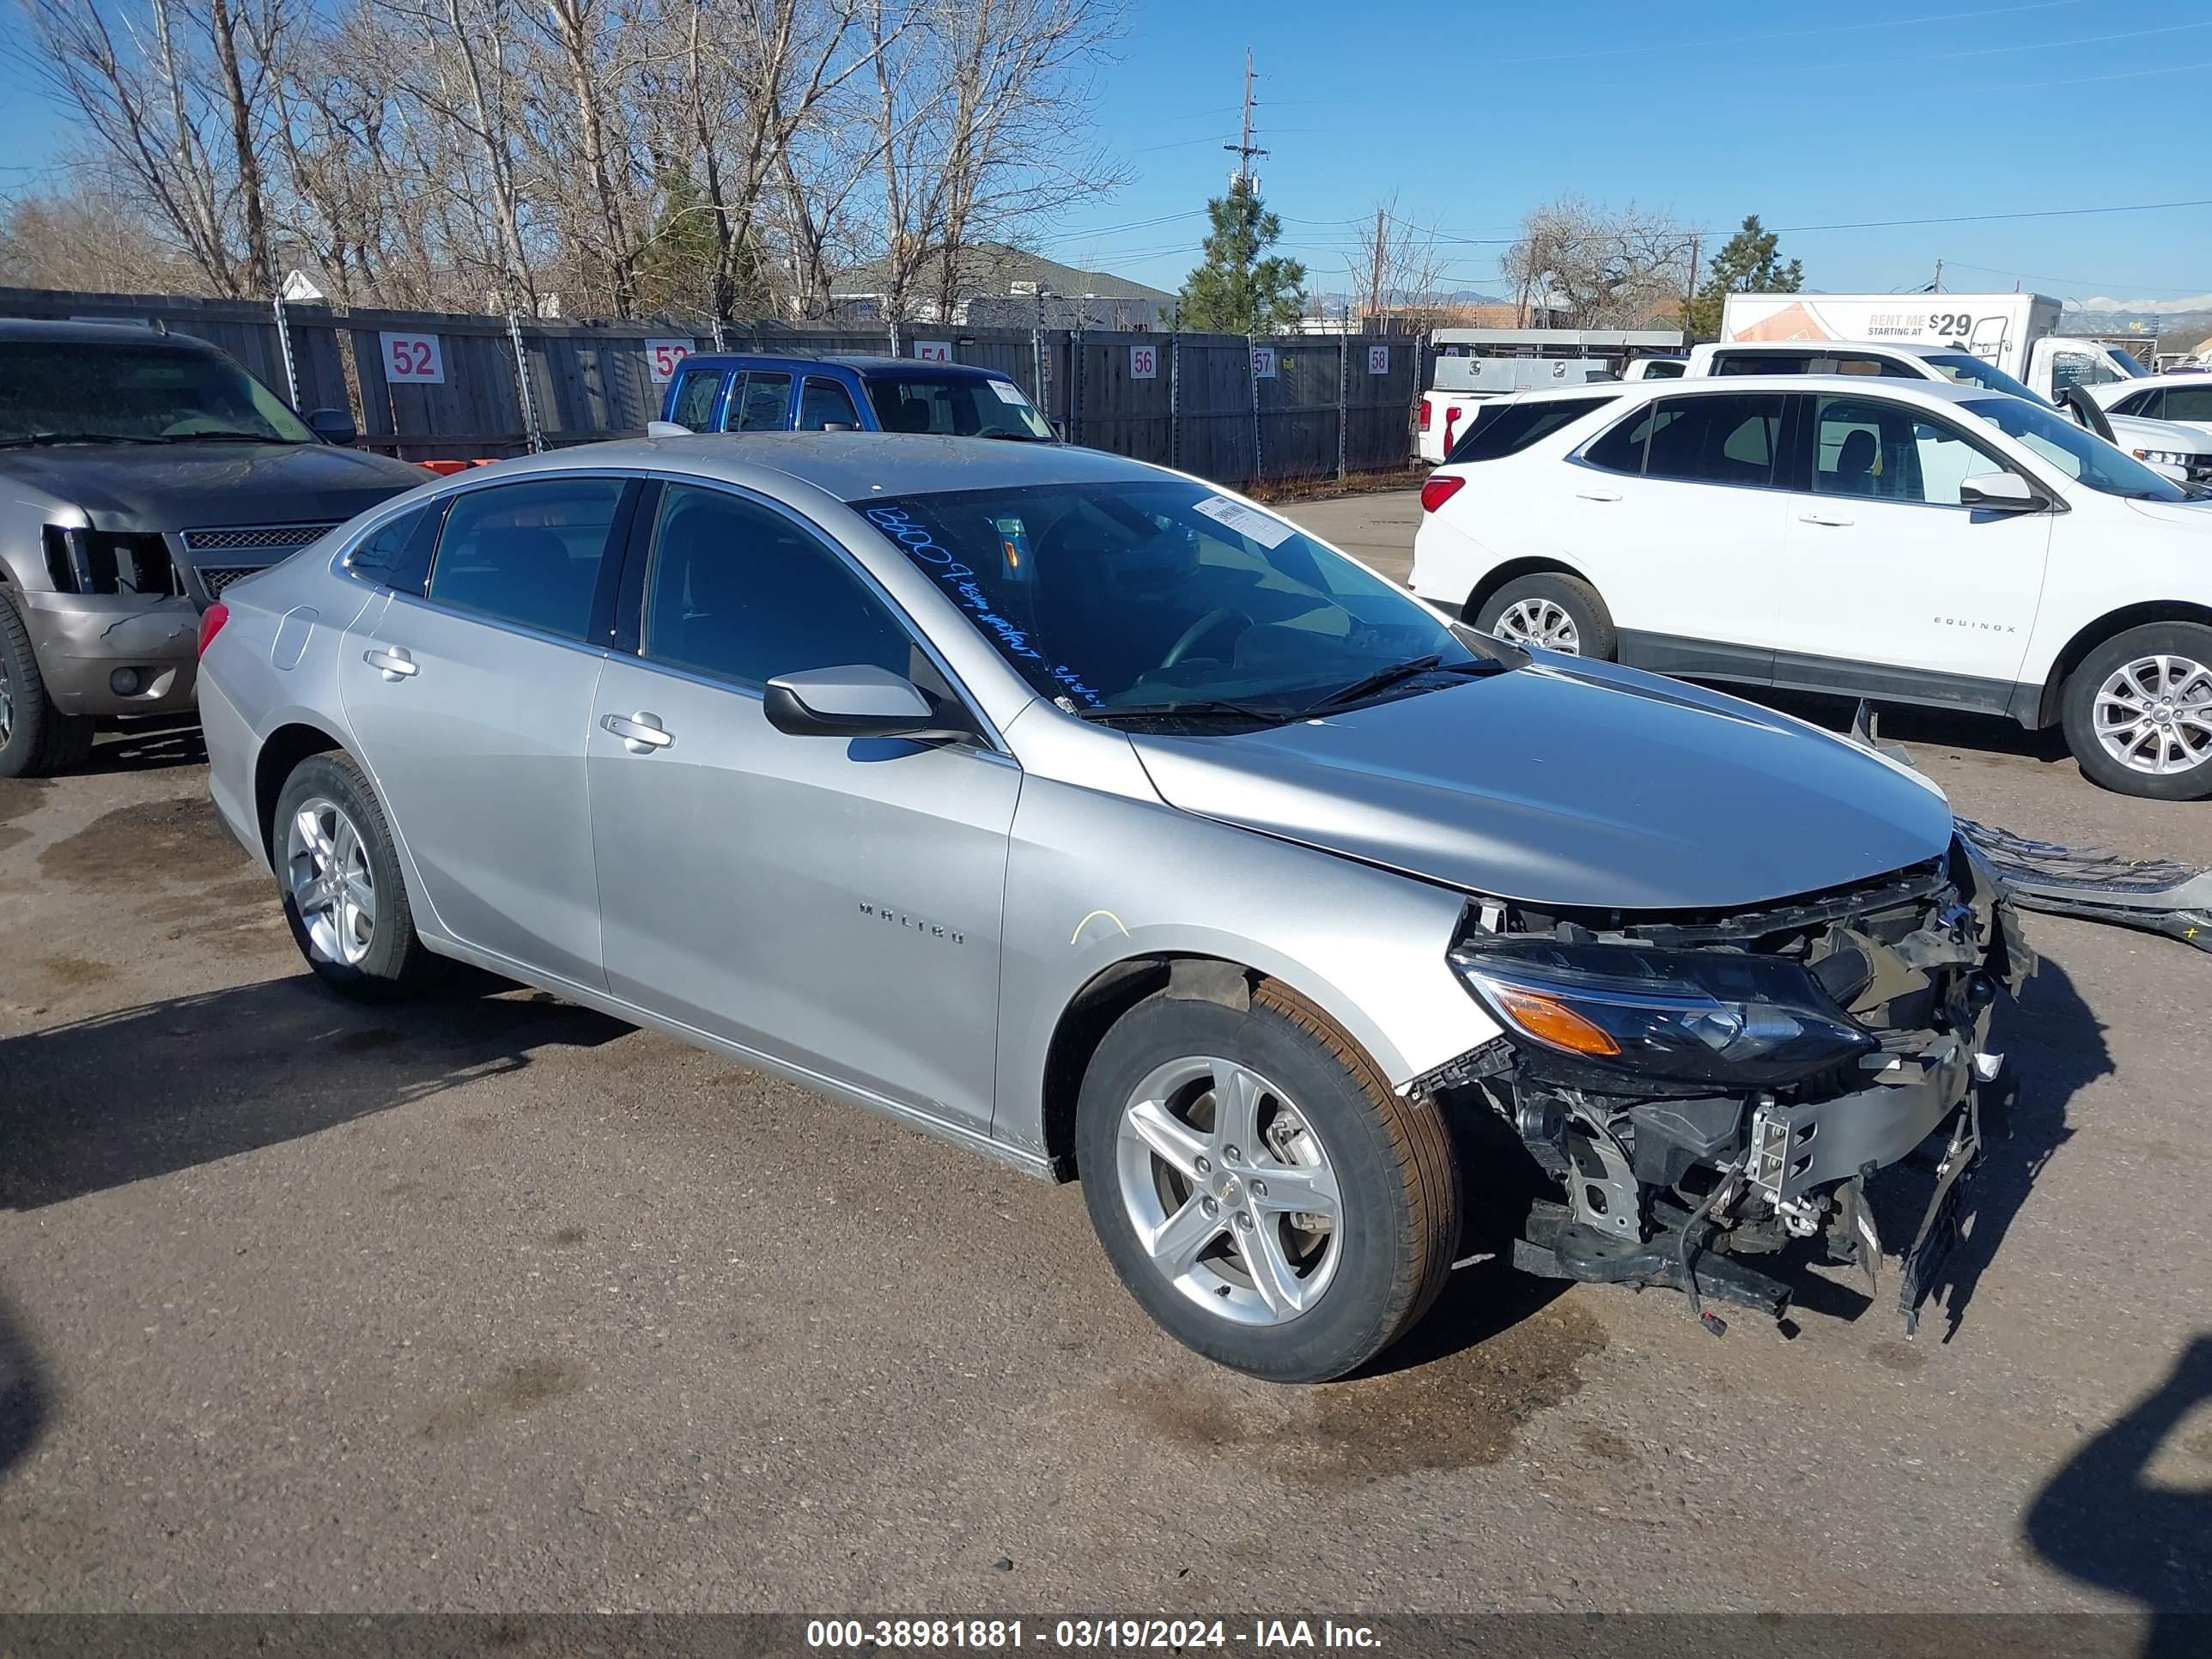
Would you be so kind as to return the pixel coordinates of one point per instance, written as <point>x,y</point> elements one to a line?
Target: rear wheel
<point>1259,1188</point>
<point>2138,712</point>
<point>345,899</point>
<point>36,738</point>
<point>1551,611</point>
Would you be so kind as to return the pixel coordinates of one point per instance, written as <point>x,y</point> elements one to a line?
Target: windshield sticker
<point>1009,392</point>
<point>1246,522</point>
<point>922,546</point>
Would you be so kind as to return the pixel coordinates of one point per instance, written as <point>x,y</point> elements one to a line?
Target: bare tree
<point>1398,270</point>
<point>1604,267</point>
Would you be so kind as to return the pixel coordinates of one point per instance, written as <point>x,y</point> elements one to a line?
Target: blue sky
<point>1804,114</point>
<point>1808,114</point>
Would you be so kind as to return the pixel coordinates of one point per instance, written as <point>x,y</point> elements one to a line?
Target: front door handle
<point>1598,494</point>
<point>391,661</point>
<point>641,733</point>
<point>1828,519</point>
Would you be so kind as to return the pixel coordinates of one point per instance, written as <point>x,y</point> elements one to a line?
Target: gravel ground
<point>495,1303</point>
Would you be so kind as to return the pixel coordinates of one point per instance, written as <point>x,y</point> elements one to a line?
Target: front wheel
<point>36,738</point>
<point>2138,712</point>
<point>1259,1188</point>
<point>1552,612</point>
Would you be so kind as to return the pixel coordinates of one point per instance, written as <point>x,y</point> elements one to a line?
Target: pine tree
<point>1235,290</point>
<point>1745,265</point>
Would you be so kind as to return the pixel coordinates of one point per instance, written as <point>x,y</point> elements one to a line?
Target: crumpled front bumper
<point>83,638</point>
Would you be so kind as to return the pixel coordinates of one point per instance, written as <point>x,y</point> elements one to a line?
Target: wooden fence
<point>433,385</point>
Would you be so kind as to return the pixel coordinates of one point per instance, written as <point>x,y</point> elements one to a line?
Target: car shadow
<point>1910,723</point>
<point>25,1400</point>
<point>149,1091</point>
<point>152,744</point>
<point>2100,1519</point>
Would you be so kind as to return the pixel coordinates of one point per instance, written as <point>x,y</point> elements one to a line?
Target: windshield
<point>1969,370</point>
<point>956,408</point>
<point>2129,363</point>
<point>1143,594</point>
<point>75,392</point>
<point>2077,454</point>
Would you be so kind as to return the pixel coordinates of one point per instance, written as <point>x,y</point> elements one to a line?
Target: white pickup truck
<point>2180,451</point>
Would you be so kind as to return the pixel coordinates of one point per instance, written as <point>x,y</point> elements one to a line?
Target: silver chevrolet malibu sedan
<point>1104,821</point>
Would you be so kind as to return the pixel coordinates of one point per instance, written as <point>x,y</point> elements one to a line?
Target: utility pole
<point>1938,286</point>
<point>1375,275</point>
<point>1692,293</point>
<point>1244,149</point>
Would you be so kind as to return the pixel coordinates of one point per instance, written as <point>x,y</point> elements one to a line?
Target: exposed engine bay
<point>1701,1088</point>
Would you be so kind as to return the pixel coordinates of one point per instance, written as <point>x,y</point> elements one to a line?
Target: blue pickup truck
<point>769,393</point>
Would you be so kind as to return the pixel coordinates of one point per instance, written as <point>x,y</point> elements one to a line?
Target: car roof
<point>849,465</point>
<point>859,362</point>
<point>1905,347</point>
<point>93,333</point>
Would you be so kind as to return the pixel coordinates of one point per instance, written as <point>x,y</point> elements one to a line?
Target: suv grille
<point>269,538</point>
<point>218,577</point>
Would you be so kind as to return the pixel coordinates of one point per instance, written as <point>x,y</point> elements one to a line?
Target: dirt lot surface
<point>491,1303</point>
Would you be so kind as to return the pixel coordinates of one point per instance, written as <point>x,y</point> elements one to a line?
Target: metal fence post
<point>1252,378</point>
<point>1175,398</point>
<point>1413,403</point>
<point>284,345</point>
<point>893,327</point>
<point>522,385</point>
<point>1075,383</point>
<point>1343,406</point>
<point>1036,367</point>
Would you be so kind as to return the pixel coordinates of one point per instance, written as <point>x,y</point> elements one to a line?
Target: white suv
<point>1903,540</point>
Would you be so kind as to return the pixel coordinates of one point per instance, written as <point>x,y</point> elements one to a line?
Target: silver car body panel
<point>792,901</point>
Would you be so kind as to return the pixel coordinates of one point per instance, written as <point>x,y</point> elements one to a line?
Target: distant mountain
<point>2175,330</point>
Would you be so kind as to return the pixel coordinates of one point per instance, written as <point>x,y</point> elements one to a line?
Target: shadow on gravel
<point>145,1091</point>
<point>2108,1520</point>
<point>23,1398</point>
<point>150,745</point>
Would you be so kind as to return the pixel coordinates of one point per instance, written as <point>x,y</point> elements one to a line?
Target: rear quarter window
<point>1507,428</point>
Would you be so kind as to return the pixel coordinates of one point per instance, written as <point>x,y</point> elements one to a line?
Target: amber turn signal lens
<point>1553,1022</point>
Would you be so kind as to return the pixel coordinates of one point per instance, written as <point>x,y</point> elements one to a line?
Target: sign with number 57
<point>412,359</point>
<point>664,357</point>
<point>1263,362</point>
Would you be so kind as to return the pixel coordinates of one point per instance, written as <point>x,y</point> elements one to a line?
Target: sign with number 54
<point>412,359</point>
<point>664,357</point>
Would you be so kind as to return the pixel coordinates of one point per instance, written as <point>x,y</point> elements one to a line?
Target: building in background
<point>1001,287</point>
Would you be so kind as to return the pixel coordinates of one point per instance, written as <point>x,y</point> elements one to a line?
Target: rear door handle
<point>1598,494</point>
<point>1822,517</point>
<point>641,733</point>
<point>390,660</point>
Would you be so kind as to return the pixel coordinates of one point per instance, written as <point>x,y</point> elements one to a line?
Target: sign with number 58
<point>412,359</point>
<point>664,357</point>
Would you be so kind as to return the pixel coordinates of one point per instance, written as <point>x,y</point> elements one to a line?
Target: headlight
<point>2166,457</point>
<point>1709,1017</point>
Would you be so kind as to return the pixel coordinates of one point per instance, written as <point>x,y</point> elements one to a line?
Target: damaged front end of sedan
<point>1702,1088</point>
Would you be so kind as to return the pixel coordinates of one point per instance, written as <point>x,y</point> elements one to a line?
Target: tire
<point>369,951</point>
<point>1583,626</point>
<point>1326,1120</point>
<point>2159,664</point>
<point>36,738</point>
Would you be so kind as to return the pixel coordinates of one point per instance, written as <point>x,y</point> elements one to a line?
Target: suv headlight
<point>2167,456</point>
<point>1709,1017</point>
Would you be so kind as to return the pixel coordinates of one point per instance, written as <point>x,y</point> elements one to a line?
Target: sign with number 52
<point>412,359</point>
<point>664,357</point>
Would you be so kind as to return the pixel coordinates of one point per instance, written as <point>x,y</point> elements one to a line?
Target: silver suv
<point>1107,824</point>
<point>140,473</point>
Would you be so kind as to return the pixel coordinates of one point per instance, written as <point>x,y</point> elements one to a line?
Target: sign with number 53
<point>412,359</point>
<point>664,357</point>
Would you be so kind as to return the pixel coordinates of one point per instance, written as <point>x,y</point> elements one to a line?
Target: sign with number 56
<point>664,357</point>
<point>1144,362</point>
<point>413,359</point>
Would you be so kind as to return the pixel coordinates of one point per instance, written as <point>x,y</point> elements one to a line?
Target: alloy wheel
<point>1229,1190</point>
<point>1539,621</point>
<point>2155,714</point>
<point>332,886</point>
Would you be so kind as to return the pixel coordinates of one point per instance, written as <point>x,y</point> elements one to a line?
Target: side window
<point>739,591</point>
<point>398,553</point>
<point>697,391</point>
<point>1762,363</point>
<point>825,404</point>
<point>761,404</point>
<point>1885,451</point>
<point>1507,428</point>
<point>1620,448</point>
<point>2184,403</point>
<point>1875,365</point>
<point>528,553</point>
<point>2072,368</point>
<point>1718,440</point>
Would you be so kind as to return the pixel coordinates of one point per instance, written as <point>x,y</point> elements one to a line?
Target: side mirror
<point>856,702</point>
<point>667,429</point>
<point>333,426</point>
<point>839,426</point>
<point>2000,492</point>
